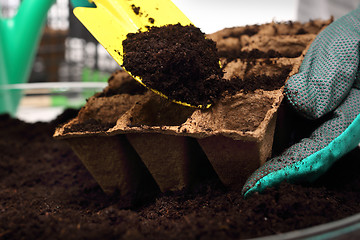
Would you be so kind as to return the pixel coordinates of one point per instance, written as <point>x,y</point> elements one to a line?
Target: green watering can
<point>19,39</point>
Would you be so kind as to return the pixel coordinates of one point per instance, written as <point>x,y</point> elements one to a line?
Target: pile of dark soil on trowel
<point>176,60</point>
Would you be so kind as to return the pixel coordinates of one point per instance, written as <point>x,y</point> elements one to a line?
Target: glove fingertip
<point>250,187</point>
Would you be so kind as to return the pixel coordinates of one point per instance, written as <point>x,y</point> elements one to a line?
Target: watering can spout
<point>19,38</point>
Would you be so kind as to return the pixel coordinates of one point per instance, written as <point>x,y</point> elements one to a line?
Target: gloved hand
<point>328,82</point>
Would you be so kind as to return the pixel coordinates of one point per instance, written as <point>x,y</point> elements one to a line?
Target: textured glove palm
<point>328,82</point>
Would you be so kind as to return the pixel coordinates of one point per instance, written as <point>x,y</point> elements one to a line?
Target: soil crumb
<point>135,9</point>
<point>177,61</point>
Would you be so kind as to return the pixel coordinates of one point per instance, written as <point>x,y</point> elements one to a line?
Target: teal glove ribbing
<point>328,82</point>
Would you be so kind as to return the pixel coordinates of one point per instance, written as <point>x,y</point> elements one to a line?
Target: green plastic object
<point>19,38</point>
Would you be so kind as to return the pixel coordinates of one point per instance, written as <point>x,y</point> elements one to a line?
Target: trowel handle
<point>82,3</point>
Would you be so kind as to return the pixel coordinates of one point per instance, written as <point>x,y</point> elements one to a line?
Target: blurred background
<point>69,54</point>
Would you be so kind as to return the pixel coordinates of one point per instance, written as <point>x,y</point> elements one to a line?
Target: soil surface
<point>46,193</point>
<point>252,82</point>
<point>176,60</point>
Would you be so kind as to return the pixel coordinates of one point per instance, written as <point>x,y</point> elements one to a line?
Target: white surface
<point>57,85</point>
<point>38,114</point>
<point>39,108</point>
<point>211,16</point>
<point>324,9</point>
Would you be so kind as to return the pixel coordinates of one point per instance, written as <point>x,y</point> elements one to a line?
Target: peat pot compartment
<point>247,114</point>
<point>237,134</point>
<point>160,112</point>
<point>115,166</point>
<point>233,160</point>
<point>175,162</point>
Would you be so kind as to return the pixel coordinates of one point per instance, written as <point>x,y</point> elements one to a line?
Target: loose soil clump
<point>176,60</point>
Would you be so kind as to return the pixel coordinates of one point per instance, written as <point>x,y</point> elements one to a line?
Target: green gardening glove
<point>328,82</point>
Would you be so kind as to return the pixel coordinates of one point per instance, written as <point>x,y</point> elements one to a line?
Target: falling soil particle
<point>135,9</point>
<point>151,20</point>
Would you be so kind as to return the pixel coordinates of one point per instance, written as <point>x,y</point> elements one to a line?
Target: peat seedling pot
<point>150,139</point>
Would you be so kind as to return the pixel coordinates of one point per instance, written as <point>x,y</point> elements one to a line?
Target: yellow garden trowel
<point>109,21</point>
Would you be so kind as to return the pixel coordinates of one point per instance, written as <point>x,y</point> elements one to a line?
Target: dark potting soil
<point>46,193</point>
<point>251,30</point>
<point>251,82</point>
<point>91,125</point>
<point>176,60</point>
